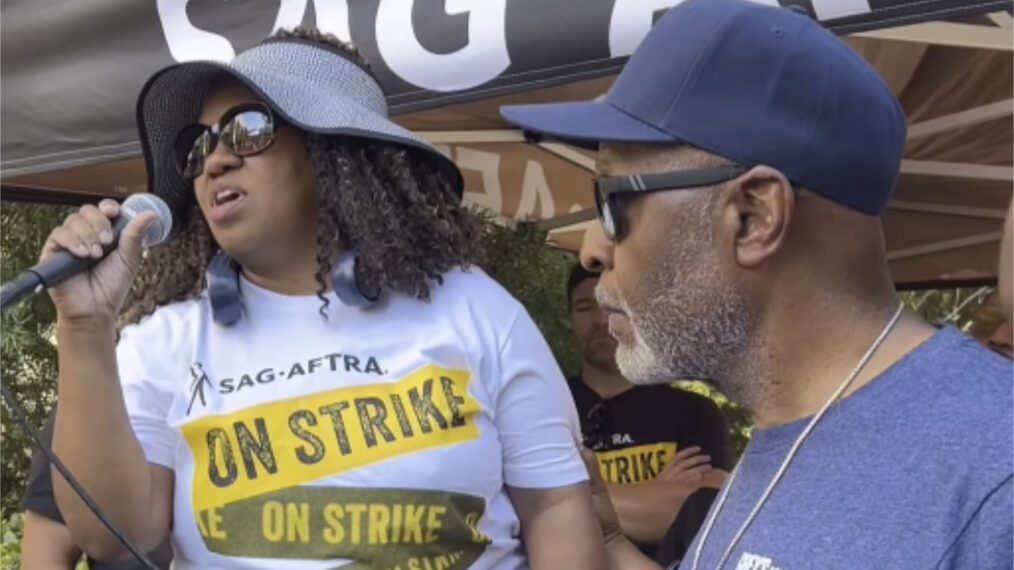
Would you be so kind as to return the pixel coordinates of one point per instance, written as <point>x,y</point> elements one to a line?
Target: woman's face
<point>260,208</point>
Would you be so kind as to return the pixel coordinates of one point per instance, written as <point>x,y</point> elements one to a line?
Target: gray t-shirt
<point>912,471</point>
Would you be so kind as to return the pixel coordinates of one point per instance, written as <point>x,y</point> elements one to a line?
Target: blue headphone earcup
<point>347,284</point>
<point>223,290</point>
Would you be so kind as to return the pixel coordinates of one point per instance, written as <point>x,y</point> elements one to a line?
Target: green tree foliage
<point>27,354</point>
<point>10,542</point>
<point>955,307</point>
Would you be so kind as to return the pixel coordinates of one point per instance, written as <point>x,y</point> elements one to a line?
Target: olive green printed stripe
<point>375,529</point>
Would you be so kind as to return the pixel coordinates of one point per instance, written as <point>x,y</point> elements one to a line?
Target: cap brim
<point>584,124</point>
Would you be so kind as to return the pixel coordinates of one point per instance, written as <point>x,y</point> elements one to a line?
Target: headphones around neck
<point>226,297</point>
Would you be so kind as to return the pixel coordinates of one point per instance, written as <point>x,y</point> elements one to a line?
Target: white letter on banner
<point>187,42</point>
<point>332,16</point>
<point>831,9</point>
<point>631,21</point>
<point>484,58</point>
<point>535,187</point>
<point>488,164</point>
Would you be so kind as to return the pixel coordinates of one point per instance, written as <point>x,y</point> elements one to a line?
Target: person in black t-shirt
<point>636,432</point>
<point>46,541</point>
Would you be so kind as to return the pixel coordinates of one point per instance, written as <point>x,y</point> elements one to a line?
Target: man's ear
<point>759,207</point>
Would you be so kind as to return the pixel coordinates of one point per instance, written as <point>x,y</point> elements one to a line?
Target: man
<point>1005,276</point>
<point>745,156</point>
<point>1002,338</point>
<point>635,431</point>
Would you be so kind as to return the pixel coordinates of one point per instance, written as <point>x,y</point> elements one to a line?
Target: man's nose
<point>596,250</point>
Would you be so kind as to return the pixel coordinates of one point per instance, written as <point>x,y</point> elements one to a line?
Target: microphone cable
<point>22,417</point>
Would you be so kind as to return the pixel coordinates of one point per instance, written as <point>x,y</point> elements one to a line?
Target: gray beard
<point>694,323</point>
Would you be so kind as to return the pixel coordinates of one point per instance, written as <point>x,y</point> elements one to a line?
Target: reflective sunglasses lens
<point>248,133</point>
<point>605,214</point>
<point>193,162</point>
<point>608,221</point>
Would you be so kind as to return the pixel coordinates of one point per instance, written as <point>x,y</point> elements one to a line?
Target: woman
<point>410,416</point>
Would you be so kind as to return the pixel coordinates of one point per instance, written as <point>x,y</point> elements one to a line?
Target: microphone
<point>65,265</point>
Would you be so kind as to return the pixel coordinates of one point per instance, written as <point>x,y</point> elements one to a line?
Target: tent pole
<point>961,119</point>
<point>947,245</point>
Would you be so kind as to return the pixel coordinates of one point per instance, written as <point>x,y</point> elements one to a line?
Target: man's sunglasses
<point>244,130</point>
<point>609,191</point>
<point>597,428</point>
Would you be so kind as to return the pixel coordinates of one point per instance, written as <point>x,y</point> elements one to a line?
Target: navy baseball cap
<point>755,84</point>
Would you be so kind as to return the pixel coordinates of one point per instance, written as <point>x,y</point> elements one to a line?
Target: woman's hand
<point>98,293</point>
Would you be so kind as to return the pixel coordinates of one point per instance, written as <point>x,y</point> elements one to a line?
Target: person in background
<point>991,327</point>
<point>1002,337</point>
<point>1005,274</point>
<point>1002,340</point>
<point>46,542</point>
<point>654,445</point>
<point>746,156</point>
<point>994,319</point>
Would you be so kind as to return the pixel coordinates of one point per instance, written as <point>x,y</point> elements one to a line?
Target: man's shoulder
<point>954,399</point>
<point>966,380</point>
<point>950,349</point>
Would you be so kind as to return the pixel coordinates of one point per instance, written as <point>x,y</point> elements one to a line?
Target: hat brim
<point>585,124</point>
<point>351,106</point>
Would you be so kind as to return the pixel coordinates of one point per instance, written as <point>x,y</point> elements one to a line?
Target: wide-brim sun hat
<point>311,86</point>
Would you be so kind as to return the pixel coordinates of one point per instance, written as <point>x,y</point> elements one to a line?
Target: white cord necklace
<point>788,458</point>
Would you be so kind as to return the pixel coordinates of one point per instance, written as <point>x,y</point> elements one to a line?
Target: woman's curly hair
<point>394,205</point>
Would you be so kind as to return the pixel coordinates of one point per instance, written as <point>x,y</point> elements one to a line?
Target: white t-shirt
<point>377,439</point>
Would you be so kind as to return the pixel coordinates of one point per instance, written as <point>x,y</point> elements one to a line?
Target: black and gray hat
<point>309,85</point>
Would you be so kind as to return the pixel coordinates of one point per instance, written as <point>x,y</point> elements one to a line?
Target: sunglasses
<point>597,428</point>
<point>244,130</point>
<point>611,191</point>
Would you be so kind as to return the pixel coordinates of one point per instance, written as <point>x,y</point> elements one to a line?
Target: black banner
<point>72,68</point>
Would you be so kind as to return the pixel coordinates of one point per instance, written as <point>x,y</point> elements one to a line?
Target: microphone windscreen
<point>139,203</point>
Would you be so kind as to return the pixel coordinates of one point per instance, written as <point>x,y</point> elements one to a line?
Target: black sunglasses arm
<point>668,180</point>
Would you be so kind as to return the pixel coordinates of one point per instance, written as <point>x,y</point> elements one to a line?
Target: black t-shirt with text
<point>675,545</point>
<point>635,432</point>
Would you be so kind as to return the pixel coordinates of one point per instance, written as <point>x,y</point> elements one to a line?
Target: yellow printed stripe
<point>635,464</point>
<point>291,442</point>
